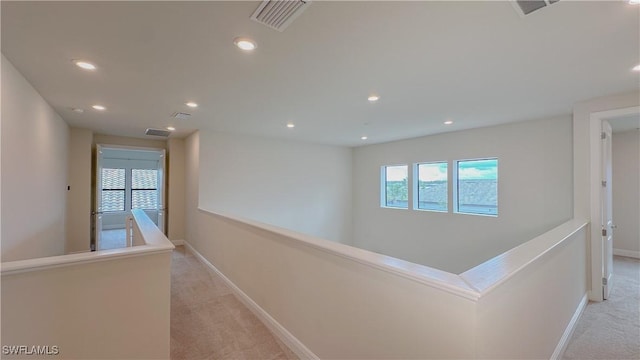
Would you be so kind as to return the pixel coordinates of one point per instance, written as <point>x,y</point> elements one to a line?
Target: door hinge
<point>604,281</point>
<point>604,232</point>
<point>604,183</point>
<point>603,135</point>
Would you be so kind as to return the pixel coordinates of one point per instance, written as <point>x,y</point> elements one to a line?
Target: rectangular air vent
<point>278,14</point>
<point>526,7</point>
<point>157,132</point>
<point>181,115</point>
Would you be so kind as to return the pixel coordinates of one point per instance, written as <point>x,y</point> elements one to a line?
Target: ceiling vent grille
<point>278,14</point>
<point>181,115</point>
<point>526,7</point>
<point>157,132</point>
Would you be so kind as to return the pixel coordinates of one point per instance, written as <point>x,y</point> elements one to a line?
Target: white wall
<point>532,295</point>
<point>176,189</point>
<point>35,142</point>
<point>303,187</point>
<point>192,185</point>
<point>79,195</point>
<point>347,306</point>
<point>626,192</point>
<point>112,304</point>
<point>534,194</point>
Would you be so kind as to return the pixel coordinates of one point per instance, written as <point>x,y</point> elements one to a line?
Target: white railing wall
<point>328,300</point>
<point>110,304</point>
<point>531,296</point>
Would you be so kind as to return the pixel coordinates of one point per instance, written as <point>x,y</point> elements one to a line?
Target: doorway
<point>603,221</point>
<point>126,178</point>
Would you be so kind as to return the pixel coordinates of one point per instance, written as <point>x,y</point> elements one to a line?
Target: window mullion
<point>128,191</point>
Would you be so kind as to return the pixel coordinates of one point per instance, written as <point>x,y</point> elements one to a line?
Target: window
<point>144,189</point>
<point>395,191</point>
<point>113,189</point>
<point>433,190</point>
<point>477,187</point>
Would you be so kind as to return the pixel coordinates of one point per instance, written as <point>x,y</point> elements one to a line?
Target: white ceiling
<point>477,63</point>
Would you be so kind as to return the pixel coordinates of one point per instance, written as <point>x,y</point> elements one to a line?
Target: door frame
<point>162,207</point>
<point>596,244</point>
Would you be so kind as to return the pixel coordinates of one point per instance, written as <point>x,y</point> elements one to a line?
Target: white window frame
<point>455,187</point>
<point>383,187</point>
<point>416,186</point>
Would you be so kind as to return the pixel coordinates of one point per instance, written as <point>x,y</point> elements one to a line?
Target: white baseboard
<point>280,331</point>
<point>627,253</point>
<point>571,327</point>
<point>178,242</point>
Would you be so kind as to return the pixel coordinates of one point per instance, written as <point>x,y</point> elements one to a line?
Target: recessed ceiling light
<point>170,128</point>
<point>191,104</point>
<point>448,122</point>
<point>634,2</point>
<point>637,67</point>
<point>291,125</point>
<point>363,138</point>
<point>77,110</point>
<point>245,44</point>
<point>373,98</point>
<point>99,107</point>
<point>84,65</point>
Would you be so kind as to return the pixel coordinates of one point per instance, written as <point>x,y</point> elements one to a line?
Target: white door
<point>161,187</point>
<point>97,212</point>
<point>606,211</point>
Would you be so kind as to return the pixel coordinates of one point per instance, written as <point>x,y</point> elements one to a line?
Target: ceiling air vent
<point>278,14</point>
<point>181,115</point>
<point>157,132</point>
<point>526,7</point>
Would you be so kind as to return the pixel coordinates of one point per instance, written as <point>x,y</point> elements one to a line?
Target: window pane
<point>113,179</point>
<point>144,194</point>
<point>144,179</point>
<point>112,200</point>
<point>478,186</point>
<point>144,199</point>
<point>432,186</point>
<point>113,189</point>
<point>396,190</point>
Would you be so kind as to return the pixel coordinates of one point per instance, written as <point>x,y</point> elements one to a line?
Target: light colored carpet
<point>611,329</point>
<point>209,322</point>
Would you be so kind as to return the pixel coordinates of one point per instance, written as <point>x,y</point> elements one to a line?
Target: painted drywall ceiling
<point>476,63</point>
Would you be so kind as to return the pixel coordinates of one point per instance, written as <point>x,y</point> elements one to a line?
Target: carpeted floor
<point>611,329</point>
<point>209,322</point>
